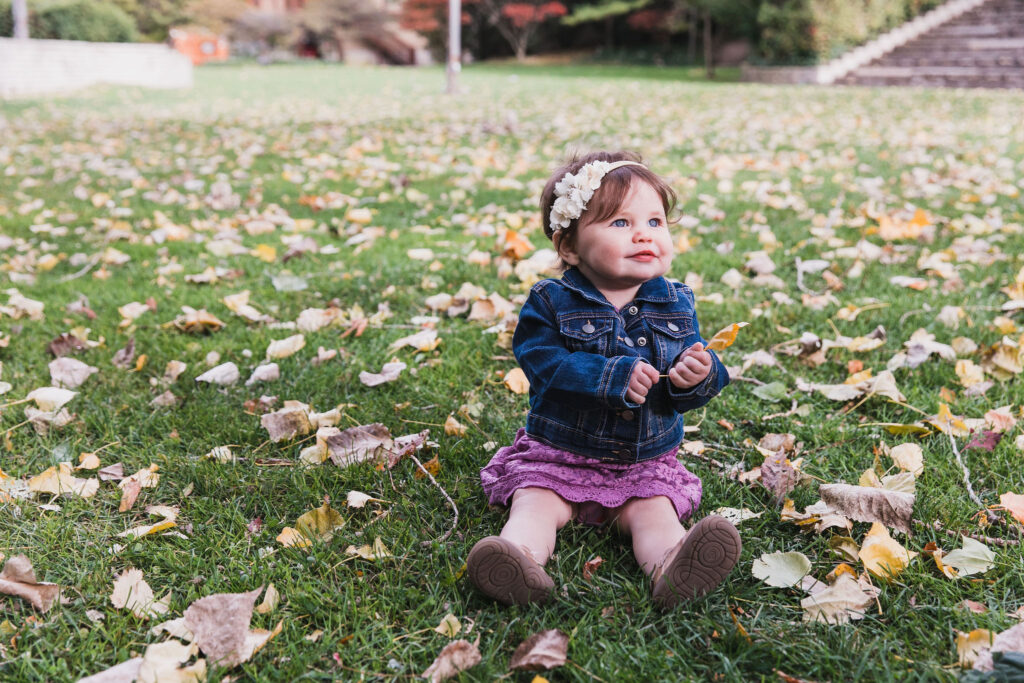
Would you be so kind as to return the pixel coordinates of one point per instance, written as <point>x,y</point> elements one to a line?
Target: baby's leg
<point>536,514</point>
<point>654,527</point>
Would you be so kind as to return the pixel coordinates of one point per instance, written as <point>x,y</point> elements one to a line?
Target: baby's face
<point>629,248</point>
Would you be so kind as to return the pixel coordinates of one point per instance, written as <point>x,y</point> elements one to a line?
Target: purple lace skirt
<point>597,486</point>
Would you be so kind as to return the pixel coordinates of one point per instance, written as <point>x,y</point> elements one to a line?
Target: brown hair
<point>608,198</point>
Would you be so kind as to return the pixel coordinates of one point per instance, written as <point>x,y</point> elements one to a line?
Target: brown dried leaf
<point>456,656</point>
<point>290,421</point>
<point>358,444</point>
<point>543,650</point>
<point>220,623</point>
<point>19,579</point>
<point>870,504</point>
<point>1010,640</point>
<point>388,373</point>
<point>778,475</point>
<point>124,358</point>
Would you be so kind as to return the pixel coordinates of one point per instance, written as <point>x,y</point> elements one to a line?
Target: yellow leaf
<point>725,337</point>
<point>948,423</point>
<point>88,461</point>
<point>58,479</point>
<point>292,538</point>
<point>515,380</point>
<point>969,645</point>
<point>908,457</point>
<point>377,552</point>
<point>140,362</point>
<point>883,555</point>
<point>320,523</point>
<point>449,626</point>
<point>264,252</point>
<point>969,373</point>
<point>453,427</point>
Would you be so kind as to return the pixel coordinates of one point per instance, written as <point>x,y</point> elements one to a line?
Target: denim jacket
<point>578,352</point>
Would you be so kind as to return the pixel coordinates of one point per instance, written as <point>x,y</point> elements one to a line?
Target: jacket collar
<point>657,290</point>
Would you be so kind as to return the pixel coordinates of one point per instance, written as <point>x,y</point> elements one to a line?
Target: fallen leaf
<point>1014,504</point>
<point>590,567</point>
<point>224,374</point>
<point>357,499</point>
<point>870,504</point>
<point>970,645</point>
<point>320,523</point>
<point>169,514</point>
<point>455,657</point>
<point>781,569</point>
<point>543,650</point>
<point>973,558</point>
<point>736,515</point>
<point>132,592</point>
<point>778,475</point>
<point>125,672</point>
<point>449,626</point>
<point>18,578</point>
<point>282,348</point>
<point>908,457</point>
<point>378,551</point>
<point>1010,640</point>
<point>162,663</point>
<point>59,479</point>
<point>267,372</point>
<point>69,373</point>
<point>515,380</point>
<point>388,373</point>
<point>51,398</point>
<point>220,623</point>
<point>882,555</point>
<point>293,538</point>
<point>838,604</point>
<point>124,357</point>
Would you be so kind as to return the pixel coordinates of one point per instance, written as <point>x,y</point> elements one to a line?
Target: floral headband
<point>573,192</point>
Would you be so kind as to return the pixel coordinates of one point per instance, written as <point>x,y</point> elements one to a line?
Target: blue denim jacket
<point>578,352</point>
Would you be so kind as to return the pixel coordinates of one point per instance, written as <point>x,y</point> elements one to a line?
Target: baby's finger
<point>696,348</point>
<point>634,397</point>
<point>693,364</point>
<point>651,372</point>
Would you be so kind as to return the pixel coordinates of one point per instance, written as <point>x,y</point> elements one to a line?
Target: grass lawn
<point>120,195</point>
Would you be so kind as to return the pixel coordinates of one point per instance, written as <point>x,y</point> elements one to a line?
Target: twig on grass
<point>937,526</point>
<point>791,411</point>
<point>85,269</point>
<point>752,380</point>
<point>440,488</point>
<point>967,474</point>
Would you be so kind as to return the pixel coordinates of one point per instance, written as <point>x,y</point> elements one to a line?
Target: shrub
<point>89,20</point>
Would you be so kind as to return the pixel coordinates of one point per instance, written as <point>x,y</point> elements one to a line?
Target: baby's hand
<point>693,366</point>
<point>640,382</point>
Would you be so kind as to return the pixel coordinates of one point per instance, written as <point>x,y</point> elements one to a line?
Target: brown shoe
<point>703,559</point>
<point>505,572</point>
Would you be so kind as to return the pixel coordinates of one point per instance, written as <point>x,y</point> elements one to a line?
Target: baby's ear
<point>565,248</point>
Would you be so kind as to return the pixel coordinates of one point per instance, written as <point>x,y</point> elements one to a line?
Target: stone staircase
<point>982,48</point>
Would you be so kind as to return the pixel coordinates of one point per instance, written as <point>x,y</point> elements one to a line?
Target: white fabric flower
<point>573,191</point>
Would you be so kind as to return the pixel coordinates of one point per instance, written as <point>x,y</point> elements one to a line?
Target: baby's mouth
<point>644,255</point>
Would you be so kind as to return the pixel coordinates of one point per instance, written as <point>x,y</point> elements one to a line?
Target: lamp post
<point>454,46</point>
<point>19,14</point>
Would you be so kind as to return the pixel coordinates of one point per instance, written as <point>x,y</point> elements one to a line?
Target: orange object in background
<point>199,46</point>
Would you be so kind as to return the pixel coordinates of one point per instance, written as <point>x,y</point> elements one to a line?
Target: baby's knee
<point>544,502</point>
<point>656,509</point>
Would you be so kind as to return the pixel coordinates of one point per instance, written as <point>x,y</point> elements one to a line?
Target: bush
<point>88,20</point>
<point>809,31</point>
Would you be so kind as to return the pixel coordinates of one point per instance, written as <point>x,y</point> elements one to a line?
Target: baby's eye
<point>654,222</point>
<point>619,223</point>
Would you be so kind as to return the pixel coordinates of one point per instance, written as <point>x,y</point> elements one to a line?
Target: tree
<point>336,21</point>
<point>427,16</point>
<point>607,11</point>
<point>215,15</point>
<point>518,21</point>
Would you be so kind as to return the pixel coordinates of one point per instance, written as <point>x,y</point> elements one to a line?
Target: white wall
<point>37,67</point>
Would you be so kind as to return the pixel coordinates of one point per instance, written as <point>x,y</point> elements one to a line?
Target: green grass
<point>283,132</point>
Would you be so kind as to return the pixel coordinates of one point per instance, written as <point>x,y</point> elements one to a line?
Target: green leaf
<point>974,558</point>
<point>781,569</point>
<point>773,391</point>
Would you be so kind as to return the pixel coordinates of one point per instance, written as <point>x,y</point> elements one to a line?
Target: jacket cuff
<point>615,382</point>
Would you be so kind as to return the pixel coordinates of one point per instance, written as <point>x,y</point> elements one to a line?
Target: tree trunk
<point>691,35</point>
<point>520,50</point>
<point>709,58</point>
<point>19,15</point>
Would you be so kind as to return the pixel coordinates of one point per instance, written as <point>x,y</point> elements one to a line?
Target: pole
<point>454,46</point>
<point>19,14</point>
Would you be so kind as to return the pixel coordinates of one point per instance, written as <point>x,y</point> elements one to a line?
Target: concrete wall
<point>38,67</point>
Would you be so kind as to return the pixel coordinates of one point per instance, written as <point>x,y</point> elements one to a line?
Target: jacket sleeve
<point>699,394</point>
<point>556,373</point>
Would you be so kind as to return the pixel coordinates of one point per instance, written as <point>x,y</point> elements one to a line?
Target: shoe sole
<point>502,571</point>
<point>708,554</point>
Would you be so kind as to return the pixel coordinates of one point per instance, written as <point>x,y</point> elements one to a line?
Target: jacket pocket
<point>591,335</point>
<point>670,337</point>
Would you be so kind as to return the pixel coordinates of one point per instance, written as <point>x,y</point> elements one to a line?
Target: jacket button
<point>673,327</point>
<point>633,310</point>
<point>642,341</point>
<point>629,342</point>
<point>626,415</point>
<point>588,328</point>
